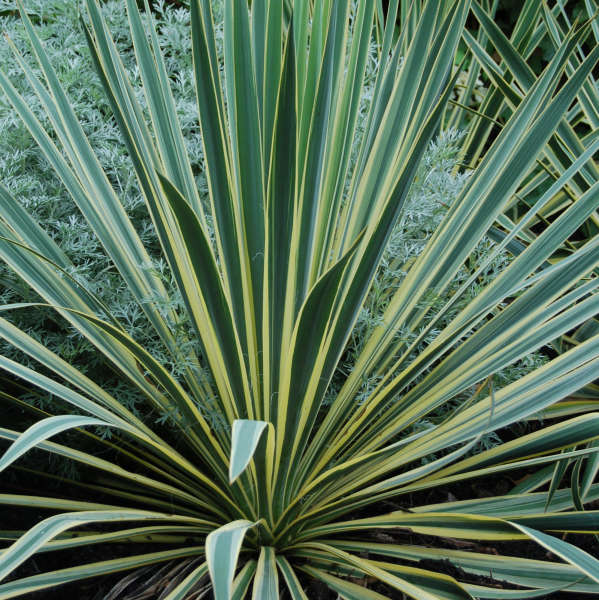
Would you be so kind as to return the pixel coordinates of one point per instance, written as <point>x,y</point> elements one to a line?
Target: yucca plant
<point>262,481</point>
<point>538,24</point>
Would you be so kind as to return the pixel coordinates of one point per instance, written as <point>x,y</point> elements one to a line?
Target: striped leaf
<point>244,441</point>
<point>222,552</point>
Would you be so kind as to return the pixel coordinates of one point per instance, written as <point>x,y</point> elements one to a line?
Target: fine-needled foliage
<point>293,452</point>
